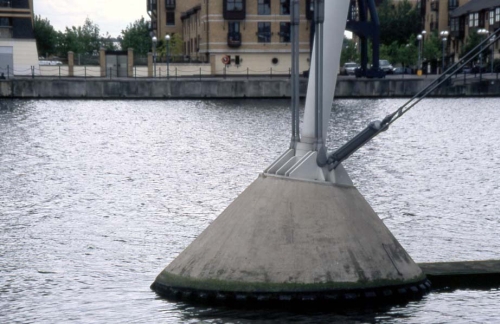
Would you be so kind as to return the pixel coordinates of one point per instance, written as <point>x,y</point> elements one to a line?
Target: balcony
<point>234,9</point>
<point>435,5</point>
<point>170,4</point>
<point>234,39</point>
<point>151,5</point>
<point>152,24</point>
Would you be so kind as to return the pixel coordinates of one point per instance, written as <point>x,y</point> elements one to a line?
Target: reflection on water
<point>97,197</point>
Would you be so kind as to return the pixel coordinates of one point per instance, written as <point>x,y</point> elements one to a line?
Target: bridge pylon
<point>300,233</point>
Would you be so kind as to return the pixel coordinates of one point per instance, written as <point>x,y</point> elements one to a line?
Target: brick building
<point>255,34</point>
<point>460,18</point>
<point>18,51</point>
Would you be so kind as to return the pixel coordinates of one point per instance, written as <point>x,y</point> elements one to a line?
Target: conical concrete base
<point>285,239</point>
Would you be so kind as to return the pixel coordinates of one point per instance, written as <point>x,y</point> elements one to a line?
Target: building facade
<point>234,36</point>
<point>460,18</point>
<point>18,52</point>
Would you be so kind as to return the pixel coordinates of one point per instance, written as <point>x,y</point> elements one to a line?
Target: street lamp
<point>444,36</point>
<point>423,33</point>
<point>167,39</point>
<point>154,55</point>
<point>419,63</point>
<point>492,40</point>
<point>481,32</point>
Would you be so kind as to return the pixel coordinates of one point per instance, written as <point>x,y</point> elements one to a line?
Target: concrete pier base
<point>292,240</point>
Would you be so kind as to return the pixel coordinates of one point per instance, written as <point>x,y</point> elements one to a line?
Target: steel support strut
<point>375,128</point>
<point>295,88</point>
<point>319,145</point>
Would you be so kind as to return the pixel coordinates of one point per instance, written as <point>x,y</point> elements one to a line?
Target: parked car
<point>47,62</point>
<point>385,66</point>
<point>349,68</point>
<point>465,70</point>
<point>402,70</point>
<point>480,69</point>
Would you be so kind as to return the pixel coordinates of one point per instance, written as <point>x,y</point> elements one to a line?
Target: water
<point>97,197</point>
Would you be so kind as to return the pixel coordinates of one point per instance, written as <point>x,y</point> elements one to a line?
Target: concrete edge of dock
<point>212,88</point>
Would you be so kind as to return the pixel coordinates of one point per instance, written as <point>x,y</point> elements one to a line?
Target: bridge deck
<point>463,274</point>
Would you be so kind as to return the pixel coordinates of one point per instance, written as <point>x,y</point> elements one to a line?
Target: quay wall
<point>100,88</point>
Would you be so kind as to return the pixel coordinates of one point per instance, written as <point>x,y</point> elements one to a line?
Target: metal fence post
<point>224,72</point>
<point>176,73</point>
<point>110,71</point>
<point>271,74</point>
<point>200,73</point>
<point>248,73</point>
<point>135,72</point>
<point>32,72</point>
<point>8,71</point>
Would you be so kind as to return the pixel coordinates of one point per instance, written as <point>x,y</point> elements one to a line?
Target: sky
<point>110,15</point>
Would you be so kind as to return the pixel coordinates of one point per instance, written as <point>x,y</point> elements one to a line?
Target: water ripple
<point>96,197</point>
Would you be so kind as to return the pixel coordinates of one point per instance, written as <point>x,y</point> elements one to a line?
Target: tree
<point>397,21</point>
<point>405,54</point>
<point>175,46</point>
<point>432,50</point>
<point>107,42</point>
<point>45,35</point>
<point>136,36</point>
<point>88,37</point>
<point>349,52</point>
<point>82,39</point>
<point>472,41</point>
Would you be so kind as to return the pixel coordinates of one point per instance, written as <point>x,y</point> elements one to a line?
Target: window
<point>234,5</point>
<point>5,22</point>
<point>169,4</point>
<point>497,14</point>
<point>234,27</point>
<point>285,32</point>
<point>264,7</point>
<point>170,18</point>
<point>474,19</point>
<point>452,4</point>
<point>264,32</point>
<point>492,18</point>
<point>5,3</point>
<point>454,27</point>
<point>284,7</point>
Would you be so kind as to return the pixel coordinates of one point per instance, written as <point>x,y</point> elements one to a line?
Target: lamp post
<point>423,49</point>
<point>492,40</point>
<point>444,36</point>
<point>419,63</point>
<point>154,55</point>
<point>167,39</point>
<point>481,32</point>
